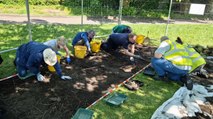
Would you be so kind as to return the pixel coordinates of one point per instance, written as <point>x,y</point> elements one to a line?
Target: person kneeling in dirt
<point>29,58</point>
<point>58,44</point>
<point>122,29</point>
<point>84,38</point>
<point>172,61</point>
<point>125,40</point>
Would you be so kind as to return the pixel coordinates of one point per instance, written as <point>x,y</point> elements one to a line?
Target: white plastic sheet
<point>184,103</point>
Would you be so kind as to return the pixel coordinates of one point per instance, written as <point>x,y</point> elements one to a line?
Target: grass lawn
<point>140,104</point>
<point>50,10</point>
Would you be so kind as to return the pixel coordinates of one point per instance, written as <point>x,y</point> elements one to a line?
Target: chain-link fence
<point>82,12</point>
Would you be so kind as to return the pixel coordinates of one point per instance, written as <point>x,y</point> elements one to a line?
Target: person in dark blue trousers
<point>29,58</point>
<point>84,38</point>
<point>171,60</point>
<point>123,40</point>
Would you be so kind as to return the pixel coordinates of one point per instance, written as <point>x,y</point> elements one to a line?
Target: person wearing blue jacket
<point>124,40</point>
<point>29,58</point>
<point>84,38</point>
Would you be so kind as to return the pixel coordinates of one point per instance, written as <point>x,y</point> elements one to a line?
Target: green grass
<point>38,10</point>
<point>140,104</point>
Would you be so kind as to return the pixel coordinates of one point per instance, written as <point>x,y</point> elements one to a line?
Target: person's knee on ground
<point>155,64</point>
<point>104,46</point>
<point>22,73</point>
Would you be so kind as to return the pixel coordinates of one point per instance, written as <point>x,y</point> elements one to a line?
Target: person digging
<point>124,40</point>
<point>84,38</point>
<point>29,58</point>
<point>172,61</point>
<point>58,44</point>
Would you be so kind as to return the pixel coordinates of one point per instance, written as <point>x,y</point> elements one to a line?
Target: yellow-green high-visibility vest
<point>177,54</point>
<point>197,59</point>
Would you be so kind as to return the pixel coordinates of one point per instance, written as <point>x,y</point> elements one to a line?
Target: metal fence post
<point>82,13</point>
<point>120,12</point>
<point>167,25</point>
<point>28,17</point>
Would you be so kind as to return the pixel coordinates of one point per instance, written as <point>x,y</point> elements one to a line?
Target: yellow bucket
<point>51,68</point>
<point>140,39</point>
<point>95,46</point>
<point>80,51</point>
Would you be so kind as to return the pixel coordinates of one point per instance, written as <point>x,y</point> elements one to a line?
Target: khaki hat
<point>163,38</point>
<point>62,41</point>
<point>50,57</point>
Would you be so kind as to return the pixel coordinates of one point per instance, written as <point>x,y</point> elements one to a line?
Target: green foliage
<point>31,2</point>
<point>129,11</point>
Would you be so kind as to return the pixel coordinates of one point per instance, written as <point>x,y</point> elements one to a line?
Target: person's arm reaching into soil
<point>85,38</point>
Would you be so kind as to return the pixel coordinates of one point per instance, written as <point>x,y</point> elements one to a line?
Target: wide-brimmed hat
<point>50,57</point>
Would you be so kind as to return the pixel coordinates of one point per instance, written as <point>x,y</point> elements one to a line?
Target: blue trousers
<point>164,67</point>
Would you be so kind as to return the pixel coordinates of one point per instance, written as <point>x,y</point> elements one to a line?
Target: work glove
<point>68,60</point>
<point>132,59</point>
<point>66,78</point>
<point>40,77</point>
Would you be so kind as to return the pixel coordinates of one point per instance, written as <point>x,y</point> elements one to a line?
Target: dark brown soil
<point>92,77</point>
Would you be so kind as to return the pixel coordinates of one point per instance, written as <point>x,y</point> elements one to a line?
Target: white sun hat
<point>50,57</point>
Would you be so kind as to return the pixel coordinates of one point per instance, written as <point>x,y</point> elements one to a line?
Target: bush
<point>129,11</point>
<point>31,2</point>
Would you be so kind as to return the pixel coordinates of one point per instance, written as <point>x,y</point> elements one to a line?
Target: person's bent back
<point>122,29</point>
<point>84,38</point>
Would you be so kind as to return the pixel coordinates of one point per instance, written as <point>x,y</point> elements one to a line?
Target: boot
<point>187,81</point>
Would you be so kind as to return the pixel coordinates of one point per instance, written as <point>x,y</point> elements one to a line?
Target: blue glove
<point>68,59</point>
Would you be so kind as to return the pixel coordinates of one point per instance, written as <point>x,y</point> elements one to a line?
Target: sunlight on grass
<point>140,104</point>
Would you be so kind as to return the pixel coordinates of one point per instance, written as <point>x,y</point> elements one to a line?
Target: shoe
<point>187,81</point>
<point>189,84</point>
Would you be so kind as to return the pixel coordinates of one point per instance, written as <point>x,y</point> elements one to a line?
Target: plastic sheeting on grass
<point>184,103</point>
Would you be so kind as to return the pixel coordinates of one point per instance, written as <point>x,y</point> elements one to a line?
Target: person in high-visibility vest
<point>171,60</point>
